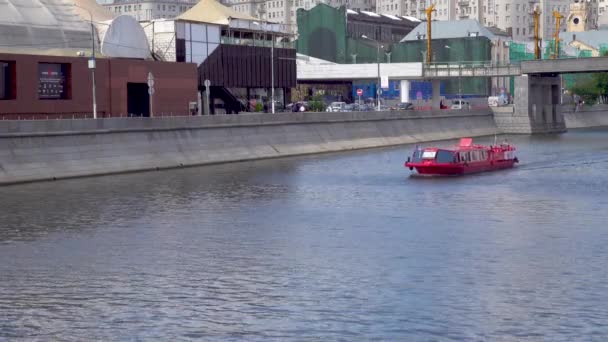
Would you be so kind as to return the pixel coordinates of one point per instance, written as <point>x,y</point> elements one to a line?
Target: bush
<point>316,104</point>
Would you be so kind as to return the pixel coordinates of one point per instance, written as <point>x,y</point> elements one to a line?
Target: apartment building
<point>284,11</point>
<point>445,9</point>
<point>148,9</point>
<point>513,16</point>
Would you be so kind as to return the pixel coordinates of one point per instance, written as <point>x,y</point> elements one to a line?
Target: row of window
<point>133,8</point>
<point>473,156</point>
<point>53,81</point>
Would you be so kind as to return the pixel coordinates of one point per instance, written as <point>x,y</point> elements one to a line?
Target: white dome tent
<point>62,27</point>
<point>123,37</point>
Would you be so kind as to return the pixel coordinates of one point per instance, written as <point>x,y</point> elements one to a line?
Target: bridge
<point>309,68</point>
<point>537,83</point>
<point>469,69</point>
<point>564,66</point>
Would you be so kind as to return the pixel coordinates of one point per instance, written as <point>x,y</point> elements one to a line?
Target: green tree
<point>316,104</point>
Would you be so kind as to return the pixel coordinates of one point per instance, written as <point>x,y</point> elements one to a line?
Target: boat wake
<point>533,167</point>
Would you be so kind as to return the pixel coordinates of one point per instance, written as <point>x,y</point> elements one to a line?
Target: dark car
<point>405,106</point>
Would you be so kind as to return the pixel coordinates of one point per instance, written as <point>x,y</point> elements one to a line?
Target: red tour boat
<point>464,158</point>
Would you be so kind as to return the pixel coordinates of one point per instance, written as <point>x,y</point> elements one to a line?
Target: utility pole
<point>429,52</point>
<point>272,70</point>
<point>558,20</point>
<point>378,90</point>
<point>92,62</point>
<point>536,15</point>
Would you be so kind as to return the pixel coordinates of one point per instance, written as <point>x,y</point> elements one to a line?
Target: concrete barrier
<point>587,116</point>
<point>44,150</point>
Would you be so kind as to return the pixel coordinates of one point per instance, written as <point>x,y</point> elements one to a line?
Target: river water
<point>343,246</point>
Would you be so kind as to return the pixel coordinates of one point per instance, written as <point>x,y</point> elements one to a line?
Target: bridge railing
<point>469,69</point>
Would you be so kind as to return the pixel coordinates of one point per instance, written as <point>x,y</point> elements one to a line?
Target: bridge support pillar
<point>405,91</point>
<point>436,99</point>
<point>535,107</point>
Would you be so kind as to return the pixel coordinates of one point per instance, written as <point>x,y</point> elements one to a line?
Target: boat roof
<point>465,144</point>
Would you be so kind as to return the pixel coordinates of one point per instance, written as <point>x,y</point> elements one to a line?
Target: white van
<point>336,107</point>
<point>460,104</point>
<point>496,101</point>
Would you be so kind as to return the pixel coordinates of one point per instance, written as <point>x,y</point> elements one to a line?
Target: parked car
<point>496,101</point>
<point>460,104</point>
<point>299,106</point>
<point>278,107</point>
<point>350,107</point>
<point>336,107</point>
<point>405,106</point>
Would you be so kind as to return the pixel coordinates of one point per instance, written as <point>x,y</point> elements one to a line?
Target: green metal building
<point>335,35</point>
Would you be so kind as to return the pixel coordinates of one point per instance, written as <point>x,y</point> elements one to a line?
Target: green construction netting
<point>363,51</point>
<point>550,50</point>
<point>518,52</point>
<point>458,50</point>
<point>585,53</point>
<point>322,33</point>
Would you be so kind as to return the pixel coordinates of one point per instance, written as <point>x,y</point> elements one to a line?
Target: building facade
<point>512,16</point>
<point>285,11</point>
<point>336,34</point>
<point>242,61</point>
<point>150,9</point>
<point>40,86</point>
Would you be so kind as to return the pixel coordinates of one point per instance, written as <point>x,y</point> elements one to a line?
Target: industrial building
<point>243,60</point>
<point>50,53</point>
<point>348,37</point>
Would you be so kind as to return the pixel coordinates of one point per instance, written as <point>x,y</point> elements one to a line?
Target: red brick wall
<point>175,85</point>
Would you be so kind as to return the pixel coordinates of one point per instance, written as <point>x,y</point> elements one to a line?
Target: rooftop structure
<point>335,34</point>
<point>62,27</point>
<point>450,29</point>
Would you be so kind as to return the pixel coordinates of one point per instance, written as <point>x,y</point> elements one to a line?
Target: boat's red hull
<point>460,169</point>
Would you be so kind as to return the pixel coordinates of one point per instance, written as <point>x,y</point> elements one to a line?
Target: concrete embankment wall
<point>43,150</point>
<point>587,116</point>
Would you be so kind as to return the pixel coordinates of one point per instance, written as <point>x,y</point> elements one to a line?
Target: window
<point>444,157</point>
<point>7,80</point>
<point>53,81</point>
<point>429,154</point>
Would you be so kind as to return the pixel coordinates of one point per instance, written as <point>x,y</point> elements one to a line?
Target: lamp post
<point>271,62</point>
<point>459,75</point>
<point>91,62</point>
<point>378,63</point>
<point>272,69</point>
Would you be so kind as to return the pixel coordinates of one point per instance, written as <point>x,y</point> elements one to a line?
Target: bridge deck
<point>565,65</point>
<point>475,69</point>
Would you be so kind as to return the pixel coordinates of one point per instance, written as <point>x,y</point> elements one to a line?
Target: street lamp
<point>92,61</point>
<point>378,62</point>
<point>459,76</point>
<point>271,61</point>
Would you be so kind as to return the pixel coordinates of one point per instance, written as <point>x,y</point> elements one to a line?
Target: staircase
<point>232,104</point>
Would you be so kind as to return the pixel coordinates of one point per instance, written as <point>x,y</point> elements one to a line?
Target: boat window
<point>429,154</point>
<point>445,156</point>
<point>417,156</point>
